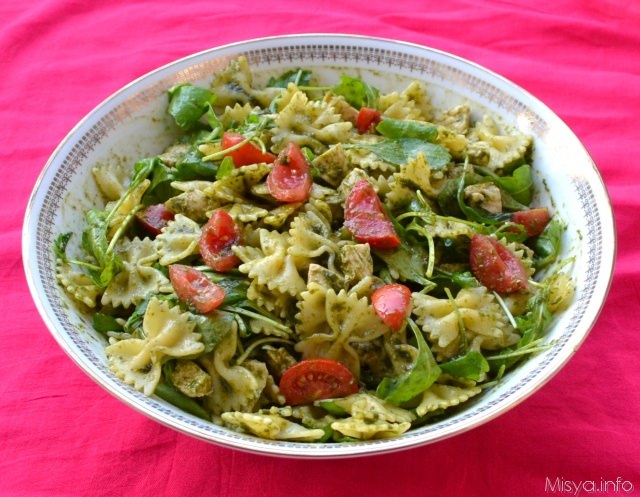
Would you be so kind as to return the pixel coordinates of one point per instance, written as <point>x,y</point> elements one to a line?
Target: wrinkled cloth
<point>62,435</point>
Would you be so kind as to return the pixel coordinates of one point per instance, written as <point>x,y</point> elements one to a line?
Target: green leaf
<point>356,92</point>
<point>187,104</point>
<point>213,327</point>
<point>192,167</point>
<point>519,185</point>
<point>105,322</point>
<point>546,247</point>
<point>462,279</point>
<point>419,378</point>
<point>226,167</point>
<point>407,128</point>
<point>399,151</point>
<point>299,77</point>
<point>60,245</point>
<point>471,366</point>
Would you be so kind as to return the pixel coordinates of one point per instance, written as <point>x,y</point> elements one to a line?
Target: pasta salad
<point>319,263</point>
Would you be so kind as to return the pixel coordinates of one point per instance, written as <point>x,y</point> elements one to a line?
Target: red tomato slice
<point>367,120</point>
<point>365,219</point>
<point>533,220</point>
<point>392,303</point>
<point>193,287</point>
<point>154,217</point>
<point>316,379</point>
<point>495,266</point>
<point>247,153</point>
<point>290,179</point>
<point>216,239</point>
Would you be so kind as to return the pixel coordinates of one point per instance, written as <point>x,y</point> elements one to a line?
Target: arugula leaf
<point>407,128</point>
<point>299,77</point>
<point>187,104</point>
<point>356,92</point>
<point>463,279</point>
<point>60,245</point>
<point>95,239</point>
<point>399,151</point>
<point>415,381</point>
<point>96,244</point>
<point>471,366</point>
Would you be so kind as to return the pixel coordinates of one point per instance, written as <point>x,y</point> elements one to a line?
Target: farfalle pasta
<point>312,263</point>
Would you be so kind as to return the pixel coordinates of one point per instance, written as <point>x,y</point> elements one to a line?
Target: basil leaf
<point>187,104</point>
<point>399,151</point>
<point>471,366</point>
<point>415,381</point>
<point>407,128</point>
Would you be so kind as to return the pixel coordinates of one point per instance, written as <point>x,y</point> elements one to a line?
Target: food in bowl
<point>319,261</point>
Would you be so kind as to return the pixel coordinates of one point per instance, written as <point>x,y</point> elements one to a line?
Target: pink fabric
<point>61,434</point>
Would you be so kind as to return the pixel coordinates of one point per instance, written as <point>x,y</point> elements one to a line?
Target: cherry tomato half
<point>533,220</point>
<point>367,120</point>
<point>154,217</point>
<point>316,379</point>
<point>392,303</point>
<point>495,266</point>
<point>216,239</point>
<point>365,219</point>
<point>193,287</point>
<point>247,153</point>
<point>290,179</point>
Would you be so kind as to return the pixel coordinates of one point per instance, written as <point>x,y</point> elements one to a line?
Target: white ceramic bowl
<point>132,124</point>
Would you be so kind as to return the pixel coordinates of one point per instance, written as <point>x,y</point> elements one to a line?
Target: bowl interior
<point>133,123</point>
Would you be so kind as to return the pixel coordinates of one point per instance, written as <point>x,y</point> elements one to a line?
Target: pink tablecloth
<point>61,434</point>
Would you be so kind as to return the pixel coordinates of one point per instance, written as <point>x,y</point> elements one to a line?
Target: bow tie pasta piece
<point>271,426</point>
<point>234,84</point>
<point>138,278</point>
<point>237,185</point>
<point>442,396</point>
<point>235,387</point>
<point>371,418</point>
<point>271,266</point>
<point>412,103</point>
<point>311,236</point>
<point>415,175</point>
<point>77,284</point>
<point>178,240</point>
<point>456,119</point>
<point>501,151</point>
<point>330,324</point>
<point>111,179</point>
<point>169,333</point>
<point>485,323</point>
<point>313,124</point>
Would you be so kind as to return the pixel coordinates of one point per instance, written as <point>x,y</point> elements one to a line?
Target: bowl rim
<point>305,450</point>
